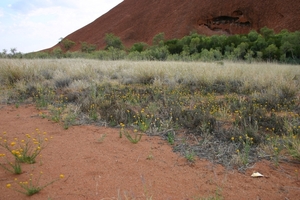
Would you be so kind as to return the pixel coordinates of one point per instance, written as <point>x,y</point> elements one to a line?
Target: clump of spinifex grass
<point>30,188</point>
<point>25,150</point>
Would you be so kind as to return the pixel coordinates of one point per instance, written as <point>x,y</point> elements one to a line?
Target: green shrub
<point>113,41</point>
<point>157,39</point>
<point>67,44</point>
<point>88,48</point>
<point>57,52</point>
<point>139,47</point>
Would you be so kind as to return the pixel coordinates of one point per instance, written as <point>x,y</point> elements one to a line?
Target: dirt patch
<point>98,164</point>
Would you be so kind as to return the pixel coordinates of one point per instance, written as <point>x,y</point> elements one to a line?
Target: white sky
<point>33,25</point>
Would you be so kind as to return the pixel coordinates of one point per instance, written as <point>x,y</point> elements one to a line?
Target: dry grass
<point>260,75</point>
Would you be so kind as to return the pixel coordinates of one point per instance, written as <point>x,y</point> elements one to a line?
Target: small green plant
<point>246,150</point>
<point>134,137</point>
<point>29,188</point>
<point>43,115</point>
<point>171,138</point>
<point>292,144</point>
<point>93,114</point>
<point>121,130</point>
<point>69,120</point>
<point>246,147</point>
<point>275,145</point>
<point>101,139</point>
<point>144,122</point>
<point>43,97</point>
<point>26,150</point>
<point>190,156</point>
<point>149,157</point>
<point>15,167</point>
<point>56,114</point>
<point>57,109</point>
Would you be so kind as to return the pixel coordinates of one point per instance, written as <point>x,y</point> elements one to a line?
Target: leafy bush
<point>156,53</point>
<point>113,41</point>
<point>57,52</point>
<point>68,44</point>
<point>139,47</point>
<point>157,39</point>
<point>88,48</point>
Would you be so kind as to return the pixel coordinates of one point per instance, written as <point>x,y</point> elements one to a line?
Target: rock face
<point>139,20</point>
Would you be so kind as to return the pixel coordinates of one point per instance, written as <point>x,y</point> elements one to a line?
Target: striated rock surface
<point>139,20</point>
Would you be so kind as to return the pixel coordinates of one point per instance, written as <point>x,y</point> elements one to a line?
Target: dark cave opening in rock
<point>224,19</point>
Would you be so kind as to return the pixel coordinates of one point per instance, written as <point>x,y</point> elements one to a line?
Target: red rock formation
<point>139,20</point>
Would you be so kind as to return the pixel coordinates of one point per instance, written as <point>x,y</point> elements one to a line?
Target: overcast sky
<point>33,25</point>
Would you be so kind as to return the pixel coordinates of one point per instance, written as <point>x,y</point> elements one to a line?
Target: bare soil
<point>114,168</point>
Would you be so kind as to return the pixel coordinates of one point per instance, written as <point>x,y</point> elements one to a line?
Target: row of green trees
<point>10,54</point>
<point>265,45</point>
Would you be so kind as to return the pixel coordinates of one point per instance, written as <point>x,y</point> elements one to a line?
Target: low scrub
<point>230,109</point>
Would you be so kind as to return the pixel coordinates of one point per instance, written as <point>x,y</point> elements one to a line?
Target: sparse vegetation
<point>247,102</point>
<point>24,150</point>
